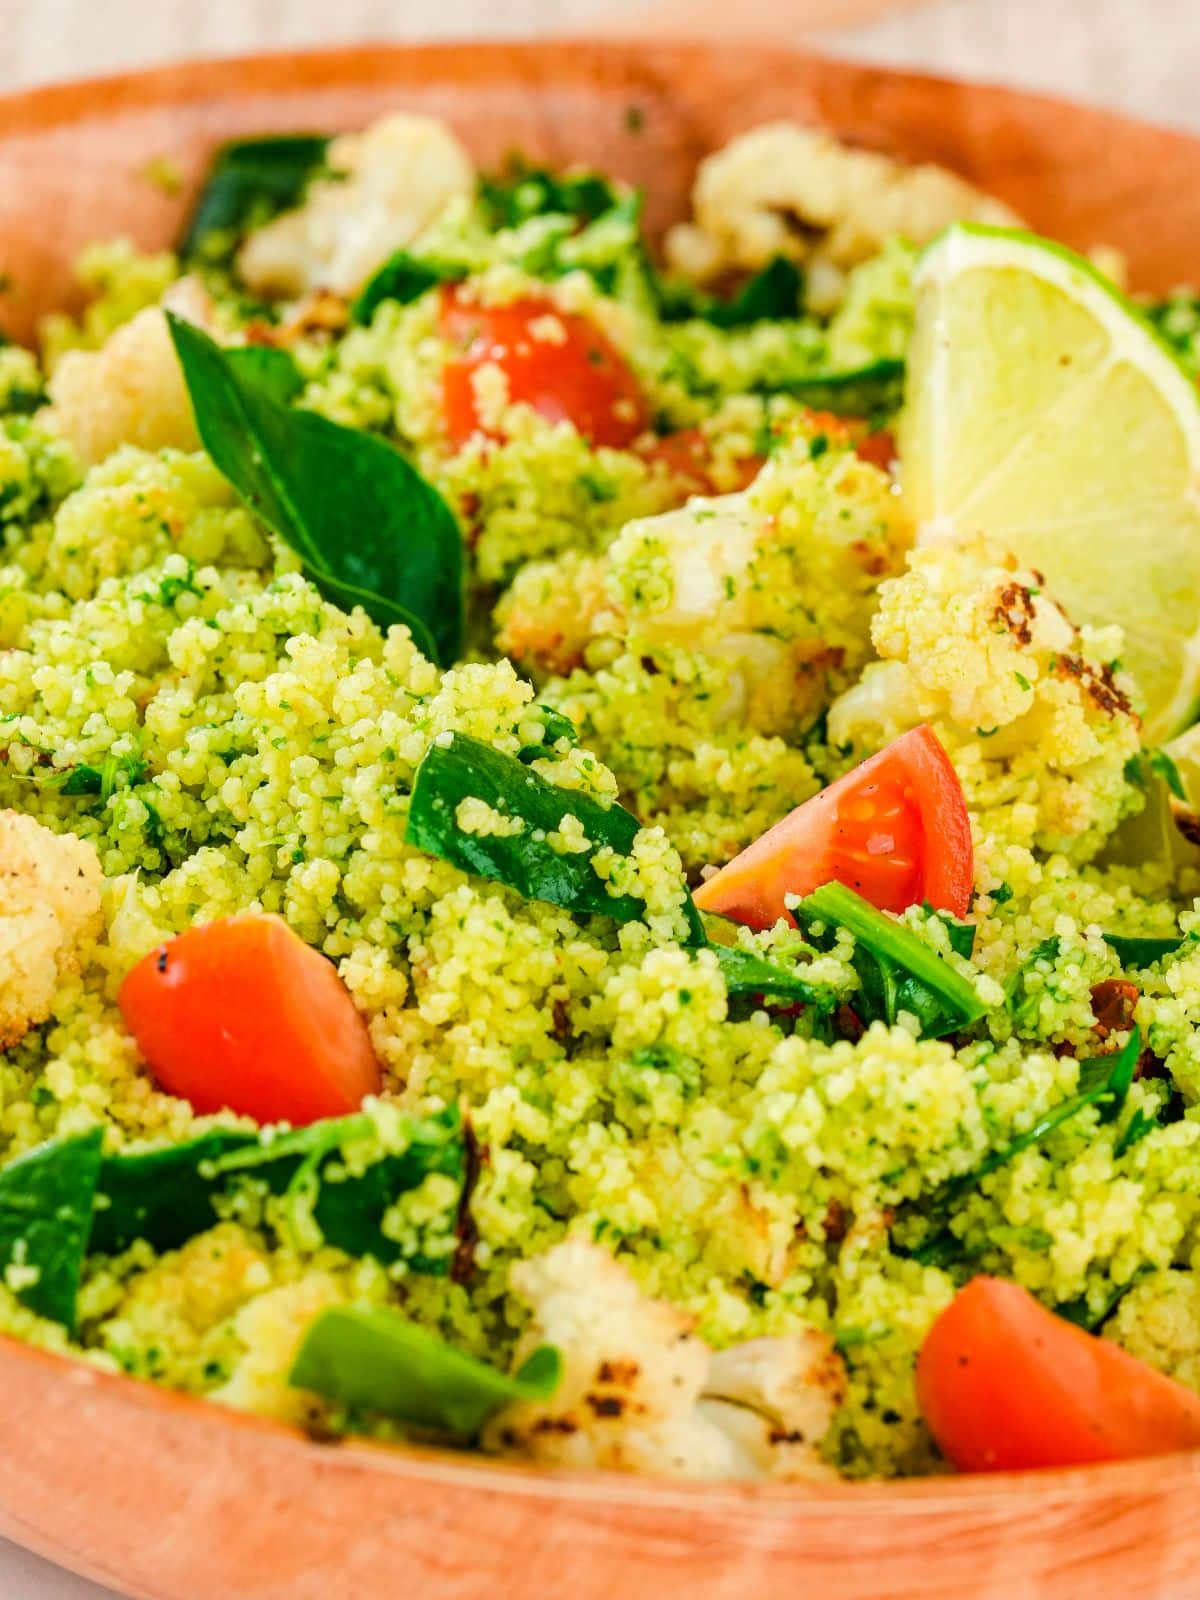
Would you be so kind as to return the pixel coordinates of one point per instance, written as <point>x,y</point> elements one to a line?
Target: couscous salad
<point>599,846</point>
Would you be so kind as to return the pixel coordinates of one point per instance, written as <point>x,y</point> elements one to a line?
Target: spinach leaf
<point>251,181</point>
<point>349,1205</point>
<point>747,973</point>
<point>45,1217</point>
<point>164,1196</point>
<point>772,295</point>
<point>554,727</point>
<point>871,391</point>
<point>1138,952</point>
<point>897,970</point>
<point>375,1360</point>
<point>169,1195</point>
<point>1080,1312</point>
<point>1103,1081</point>
<point>463,768</point>
<point>404,278</point>
<point>960,934</point>
<point>522,192</point>
<point>1134,1131</point>
<point>368,527</point>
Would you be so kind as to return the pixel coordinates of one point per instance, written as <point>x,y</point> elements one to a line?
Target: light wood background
<point>1141,56</point>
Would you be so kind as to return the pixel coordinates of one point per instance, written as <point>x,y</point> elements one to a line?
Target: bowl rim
<point>58,105</point>
<point>181,79</point>
<point>464,1469</point>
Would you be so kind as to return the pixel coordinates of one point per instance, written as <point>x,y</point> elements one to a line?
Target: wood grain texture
<point>73,159</point>
<point>172,1499</point>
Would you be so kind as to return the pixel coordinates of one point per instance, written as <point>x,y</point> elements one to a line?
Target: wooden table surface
<point>1143,58</point>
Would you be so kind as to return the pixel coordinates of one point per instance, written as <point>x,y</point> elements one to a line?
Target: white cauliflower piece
<point>774,583</point>
<point>50,916</point>
<point>642,1393</point>
<point>782,189</point>
<point>1039,725</point>
<point>389,183</point>
<point>130,391</point>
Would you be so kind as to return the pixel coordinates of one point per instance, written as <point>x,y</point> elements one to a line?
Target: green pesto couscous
<point>598,851</point>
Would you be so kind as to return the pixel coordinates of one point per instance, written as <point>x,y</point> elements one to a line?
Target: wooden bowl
<point>173,1499</point>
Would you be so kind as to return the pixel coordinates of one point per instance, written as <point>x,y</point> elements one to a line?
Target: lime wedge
<point>1043,410</point>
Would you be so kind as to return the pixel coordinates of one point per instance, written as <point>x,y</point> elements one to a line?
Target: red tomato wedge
<point>558,362</point>
<point>895,830</point>
<point>1004,1384</point>
<point>687,456</point>
<point>242,1015</point>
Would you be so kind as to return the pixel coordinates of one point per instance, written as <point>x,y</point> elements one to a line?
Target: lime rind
<point>1045,411</point>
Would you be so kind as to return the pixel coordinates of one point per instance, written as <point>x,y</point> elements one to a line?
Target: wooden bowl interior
<point>173,1499</point>
<point>74,160</point>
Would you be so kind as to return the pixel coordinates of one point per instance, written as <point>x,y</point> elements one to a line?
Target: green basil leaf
<point>1138,952</point>
<point>368,527</point>
<point>747,973</point>
<point>374,1360</point>
<point>45,1218</point>
<point>897,970</point>
<point>404,278</point>
<point>252,180</point>
<point>463,768</point>
<point>270,368</point>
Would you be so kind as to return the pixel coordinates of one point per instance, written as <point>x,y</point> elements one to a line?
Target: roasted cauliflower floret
<point>697,650</point>
<point>641,1392</point>
<point>130,391</point>
<point>1037,720</point>
<point>774,583</point>
<point>50,916</point>
<point>386,185</point>
<point>784,190</point>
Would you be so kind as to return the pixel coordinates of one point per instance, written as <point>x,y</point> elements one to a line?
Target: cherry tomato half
<point>1004,1385</point>
<point>558,362</point>
<point>895,830</point>
<point>687,456</point>
<point>242,1015</point>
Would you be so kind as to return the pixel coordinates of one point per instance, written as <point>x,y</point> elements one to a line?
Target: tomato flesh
<point>1005,1385</point>
<point>686,455</point>
<point>557,362</point>
<point>241,1015</point>
<point>895,830</point>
